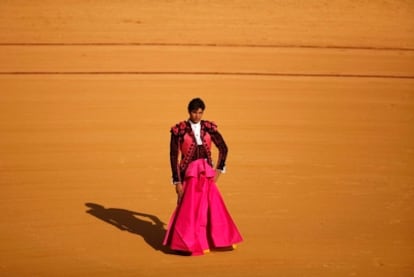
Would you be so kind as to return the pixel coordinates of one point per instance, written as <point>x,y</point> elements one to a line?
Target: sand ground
<point>315,100</point>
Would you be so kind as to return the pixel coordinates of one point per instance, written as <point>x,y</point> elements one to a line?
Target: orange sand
<point>315,100</point>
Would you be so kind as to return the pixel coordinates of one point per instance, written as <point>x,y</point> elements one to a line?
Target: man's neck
<point>194,122</point>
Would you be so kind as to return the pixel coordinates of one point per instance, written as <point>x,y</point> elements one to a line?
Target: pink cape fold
<point>201,221</point>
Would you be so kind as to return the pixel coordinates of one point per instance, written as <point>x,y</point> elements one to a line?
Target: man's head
<point>196,109</point>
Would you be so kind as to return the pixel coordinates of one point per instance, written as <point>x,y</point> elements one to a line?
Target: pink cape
<point>201,221</point>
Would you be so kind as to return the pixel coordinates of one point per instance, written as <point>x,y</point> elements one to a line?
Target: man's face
<point>196,115</point>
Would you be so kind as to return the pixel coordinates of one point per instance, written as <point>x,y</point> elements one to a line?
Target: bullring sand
<point>315,100</point>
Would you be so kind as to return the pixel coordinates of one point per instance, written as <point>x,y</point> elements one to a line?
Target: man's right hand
<point>180,191</point>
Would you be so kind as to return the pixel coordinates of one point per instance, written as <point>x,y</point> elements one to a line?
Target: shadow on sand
<point>148,226</point>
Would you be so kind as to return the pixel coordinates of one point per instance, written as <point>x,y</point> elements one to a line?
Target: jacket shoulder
<point>179,128</point>
<point>210,126</point>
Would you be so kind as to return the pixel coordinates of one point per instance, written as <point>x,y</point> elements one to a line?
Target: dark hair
<point>196,104</point>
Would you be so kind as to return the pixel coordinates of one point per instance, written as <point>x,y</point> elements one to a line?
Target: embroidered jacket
<point>183,141</point>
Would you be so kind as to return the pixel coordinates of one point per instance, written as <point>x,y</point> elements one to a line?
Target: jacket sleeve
<point>174,152</point>
<point>221,145</point>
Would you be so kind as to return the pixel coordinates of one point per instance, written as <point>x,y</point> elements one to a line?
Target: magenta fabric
<point>201,221</point>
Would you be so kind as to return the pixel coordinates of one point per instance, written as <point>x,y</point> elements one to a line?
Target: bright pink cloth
<point>201,221</point>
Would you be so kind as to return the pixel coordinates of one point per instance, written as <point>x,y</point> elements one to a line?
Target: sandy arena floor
<point>315,100</point>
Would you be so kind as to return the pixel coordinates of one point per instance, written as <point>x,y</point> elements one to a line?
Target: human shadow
<point>148,226</point>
